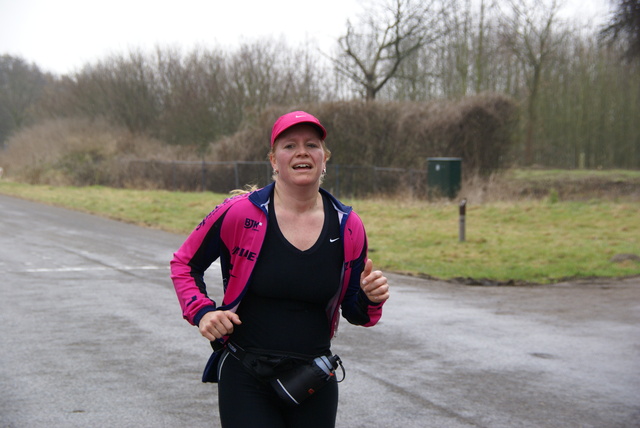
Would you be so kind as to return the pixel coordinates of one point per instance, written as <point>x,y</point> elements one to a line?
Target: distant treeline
<point>491,87</point>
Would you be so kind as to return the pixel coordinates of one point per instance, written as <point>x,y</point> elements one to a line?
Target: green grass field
<point>533,241</point>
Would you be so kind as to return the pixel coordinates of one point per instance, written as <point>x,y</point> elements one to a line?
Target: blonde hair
<point>248,188</point>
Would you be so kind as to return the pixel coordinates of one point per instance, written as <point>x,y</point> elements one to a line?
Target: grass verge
<point>532,241</point>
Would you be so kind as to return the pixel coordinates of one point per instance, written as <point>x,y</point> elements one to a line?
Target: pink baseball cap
<point>295,117</point>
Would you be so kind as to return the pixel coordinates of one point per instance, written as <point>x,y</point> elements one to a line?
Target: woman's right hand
<point>216,324</point>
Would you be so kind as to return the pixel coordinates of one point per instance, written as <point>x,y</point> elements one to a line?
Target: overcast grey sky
<point>62,35</point>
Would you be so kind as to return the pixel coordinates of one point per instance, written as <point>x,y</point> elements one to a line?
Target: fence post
<point>204,176</point>
<point>462,225</point>
<point>374,179</point>
<point>237,174</point>
<point>173,175</point>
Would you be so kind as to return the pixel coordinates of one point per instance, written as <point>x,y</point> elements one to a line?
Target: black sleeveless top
<point>284,308</point>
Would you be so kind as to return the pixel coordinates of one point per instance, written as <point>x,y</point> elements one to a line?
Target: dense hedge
<point>478,129</point>
<point>376,147</point>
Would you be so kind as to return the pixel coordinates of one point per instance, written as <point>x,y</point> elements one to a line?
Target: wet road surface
<point>92,335</point>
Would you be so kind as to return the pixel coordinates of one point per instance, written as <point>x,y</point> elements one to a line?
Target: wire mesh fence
<point>222,177</point>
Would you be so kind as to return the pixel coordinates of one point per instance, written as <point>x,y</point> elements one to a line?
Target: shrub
<point>361,136</point>
<point>76,151</point>
<point>478,129</point>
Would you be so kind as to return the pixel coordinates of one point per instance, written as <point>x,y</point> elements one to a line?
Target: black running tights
<point>246,402</point>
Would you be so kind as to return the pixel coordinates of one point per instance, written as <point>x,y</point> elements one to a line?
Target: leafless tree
<point>625,26</point>
<point>371,53</point>
<point>21,85</point>
<point>529,31</point>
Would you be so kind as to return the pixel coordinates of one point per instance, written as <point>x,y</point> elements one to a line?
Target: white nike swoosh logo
<point>333,240</point>
<point>299,116</point>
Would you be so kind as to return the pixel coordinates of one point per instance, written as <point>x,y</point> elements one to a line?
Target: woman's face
<point>298,155</point>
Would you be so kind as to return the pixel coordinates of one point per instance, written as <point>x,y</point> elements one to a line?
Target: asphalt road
<point>91,335</point>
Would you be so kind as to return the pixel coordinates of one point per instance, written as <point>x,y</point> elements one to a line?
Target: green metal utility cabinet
<point>444,176</point>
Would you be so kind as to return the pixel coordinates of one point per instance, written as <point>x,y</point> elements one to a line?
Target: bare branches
<point>372,53</point>
<point>21,85</point>
<point>528,32</point>
<point>625,26</point>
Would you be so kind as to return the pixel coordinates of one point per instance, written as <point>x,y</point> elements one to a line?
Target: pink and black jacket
<point>234,232</point>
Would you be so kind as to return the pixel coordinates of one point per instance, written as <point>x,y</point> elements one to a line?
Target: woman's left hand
<point>374,284</point>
